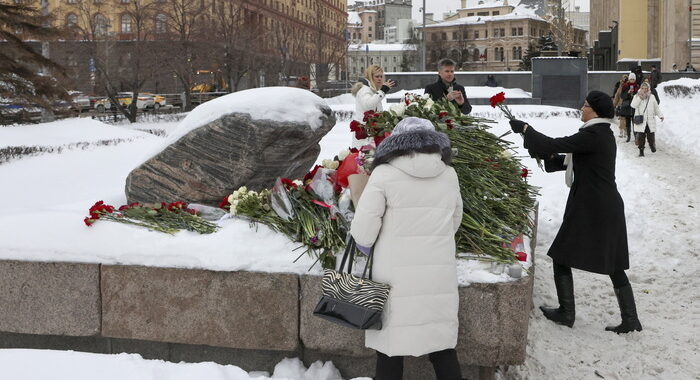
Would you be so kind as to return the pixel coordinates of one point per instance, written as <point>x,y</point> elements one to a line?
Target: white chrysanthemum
<point>343,153</point>
<point>398,109</point>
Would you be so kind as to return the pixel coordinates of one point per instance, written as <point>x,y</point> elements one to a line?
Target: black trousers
<point>619,278</point>
<point>445,364</point>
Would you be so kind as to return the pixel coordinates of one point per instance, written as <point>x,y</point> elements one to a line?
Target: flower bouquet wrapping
<point>168,218</point>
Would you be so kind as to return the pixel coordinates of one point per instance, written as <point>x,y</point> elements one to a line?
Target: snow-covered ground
<point>48,193</point>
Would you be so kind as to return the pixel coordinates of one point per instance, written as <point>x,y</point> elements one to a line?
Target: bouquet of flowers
<point>168,218</point>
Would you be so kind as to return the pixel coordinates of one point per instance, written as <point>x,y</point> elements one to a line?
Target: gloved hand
<point>363,249</point>
<point>534,154</point>
<point>517,125</point>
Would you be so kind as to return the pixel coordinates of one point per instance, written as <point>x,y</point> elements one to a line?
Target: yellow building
<point>653,29</point>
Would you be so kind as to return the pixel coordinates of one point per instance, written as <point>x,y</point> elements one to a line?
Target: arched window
<point>161,21</point>
<point>515,53</point>
<point>101,24</point>
<point>126,24</point>
<point>71,20</point>
<point>475,54</point>
<point>520,52</point>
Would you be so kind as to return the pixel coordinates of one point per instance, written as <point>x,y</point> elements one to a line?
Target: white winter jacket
<point>412,207</point>
<point>366,99</point>
<point>649,108</point>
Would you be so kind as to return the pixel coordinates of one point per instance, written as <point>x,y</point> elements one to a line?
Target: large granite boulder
<point>248,138</point>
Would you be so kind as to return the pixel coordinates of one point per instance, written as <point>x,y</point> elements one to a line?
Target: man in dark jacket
<point>447,87</point>
<point>654,77</point>
<point>593,234</point>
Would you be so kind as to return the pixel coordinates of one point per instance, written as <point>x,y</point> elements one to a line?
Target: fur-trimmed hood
<point>358,85</point>
<point>409,146</point>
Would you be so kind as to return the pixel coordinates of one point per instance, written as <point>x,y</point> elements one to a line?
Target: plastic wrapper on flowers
<point>167,218</point>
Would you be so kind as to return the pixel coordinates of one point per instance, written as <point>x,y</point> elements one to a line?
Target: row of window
<point>101,23</point>
<point>476,55</point>
<point>476,34</point>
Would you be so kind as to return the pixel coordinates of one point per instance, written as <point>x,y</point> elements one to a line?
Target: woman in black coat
<point>593,234</point>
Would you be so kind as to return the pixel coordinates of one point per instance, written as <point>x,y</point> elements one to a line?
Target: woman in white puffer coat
<point>410,211</point>
<point>645,104</point>
<point>369,93</point>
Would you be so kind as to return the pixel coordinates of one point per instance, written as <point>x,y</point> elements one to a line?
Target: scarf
<point>569,159</point>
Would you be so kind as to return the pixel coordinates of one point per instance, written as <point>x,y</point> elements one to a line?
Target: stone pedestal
<point>560,81</point>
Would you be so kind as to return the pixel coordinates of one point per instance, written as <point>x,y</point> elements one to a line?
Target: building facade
<point>377,15</point>
<point>391,57</point>
<point>296,35</point>
<point>488,38</point>
<point>665,30</point>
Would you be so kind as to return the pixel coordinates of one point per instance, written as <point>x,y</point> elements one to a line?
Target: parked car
<point>142,101</point>
<point>83,102</point>
<point>158,100</point>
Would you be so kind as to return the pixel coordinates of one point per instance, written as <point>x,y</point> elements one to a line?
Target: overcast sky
<point>439,6</point>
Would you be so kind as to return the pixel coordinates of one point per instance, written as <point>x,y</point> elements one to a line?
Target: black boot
<point>628,311</point>
<point>629,131</point>
<point>641,152</point>
<point>565,314</point>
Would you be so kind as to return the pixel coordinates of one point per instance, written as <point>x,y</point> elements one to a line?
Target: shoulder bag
<point>351,301</point>
<point>639,119</point>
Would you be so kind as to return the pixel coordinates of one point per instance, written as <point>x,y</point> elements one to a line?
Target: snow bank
<point>68,365</point>
<point>63,132</point>
<point>267,103</point>
<point>681,115</point>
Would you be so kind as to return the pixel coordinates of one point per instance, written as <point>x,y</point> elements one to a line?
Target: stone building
<point>391,57</point>
<point>376,16</point>
<point>648,30</point>
<point>292,37</point>
<point>489,37</point>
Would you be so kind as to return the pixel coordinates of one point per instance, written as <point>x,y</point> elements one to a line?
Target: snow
<point>50,193</point>
<point>55,133</point>
<point>21,364</point>
<point>477,20</point>
<point>267,103</point>
<point>380,47</point>
<point>354,18</point>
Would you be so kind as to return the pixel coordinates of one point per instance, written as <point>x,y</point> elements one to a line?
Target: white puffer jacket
<point>412,207</point>
<point>366,99</point>
<point>650,110</point>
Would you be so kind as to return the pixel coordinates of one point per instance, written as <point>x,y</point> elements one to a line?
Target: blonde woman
<point>644,104</point>
<point>369,93</point>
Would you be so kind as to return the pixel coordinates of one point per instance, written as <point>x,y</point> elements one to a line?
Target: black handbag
<point>351,301</point>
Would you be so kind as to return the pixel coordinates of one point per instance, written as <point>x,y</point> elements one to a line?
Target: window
<point>370,28</point>
<point>486,33</point>
<point>434,36</point>
<point>482,13</point>
<point>161,20</point>
<point>455,35</point>
<point>370,18</point>
<point>465,34</point>
<point>495,32</point>
<point>520,31</point>
<point>476,34</point>
<point>503,32</point>
<point>495,13</point>
<point>513,31</point>
<point>394,59</point>
<point>126,24</point>
<point>444,36</point>
<point>71,20</point>
<point>470,14</point>
<point>514,54</point>
<point>101,24</point>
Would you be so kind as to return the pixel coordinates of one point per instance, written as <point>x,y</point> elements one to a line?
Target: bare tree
<point>185,22</point>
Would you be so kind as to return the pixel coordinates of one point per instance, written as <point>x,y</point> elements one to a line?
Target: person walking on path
<point>654,77</point>
<point>629,89</point>
<point>617,102</point>
<point>369,93</point>
<point>593,234</point>
<point>645,105</point>
<point>447,87</point>
<point>409,212</point>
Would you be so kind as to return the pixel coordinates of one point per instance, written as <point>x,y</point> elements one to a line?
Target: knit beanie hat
<point>632,77</point>
<point>601,103</point>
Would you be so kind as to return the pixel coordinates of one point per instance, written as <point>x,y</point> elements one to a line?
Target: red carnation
<point>521,256</point>
<point>498,98</point>
<point>224,202</point>
<point>407,102</point>
<point>442,114</point>
<point>378,139</point>
<point>367,115</point>
<point>449,124</point>
<point>123,207</point>
<point>355,125</point>
<point>361,134</point>
<point>289,183</point>
<point>523,172</point>
<point>88,222</point>
<point>354,150</point>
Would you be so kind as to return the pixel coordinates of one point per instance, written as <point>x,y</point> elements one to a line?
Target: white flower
<point>253,193</point>
<point>330,164</point>
<point>429,104</point>
<point>398,109</point>
<point>242,189</point>
<point>343,153</point>
<point>235,203</point>
<point>232,197</point>
<point>506,154</point>
<point>426,96</point>
<point>297,182</point>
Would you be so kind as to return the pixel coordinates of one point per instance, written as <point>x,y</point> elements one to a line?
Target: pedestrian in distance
<point>369,93</point>
<point>447,87</point>
<point>593,234</point>
<point>689,68</point>
<point>674,68</point>
<point>646,109</point>
<point>617,102</point>
<point>654,77</point>
<point>409,212</point>
<point>629,89</point>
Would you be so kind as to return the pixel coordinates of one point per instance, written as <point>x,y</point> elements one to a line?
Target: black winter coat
<point>438,90</point>
<point>593,234</point>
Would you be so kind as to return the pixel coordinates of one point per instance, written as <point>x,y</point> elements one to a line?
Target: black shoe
<point>641,152</point>
<point>628,311</point>
<point>565,314</point>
